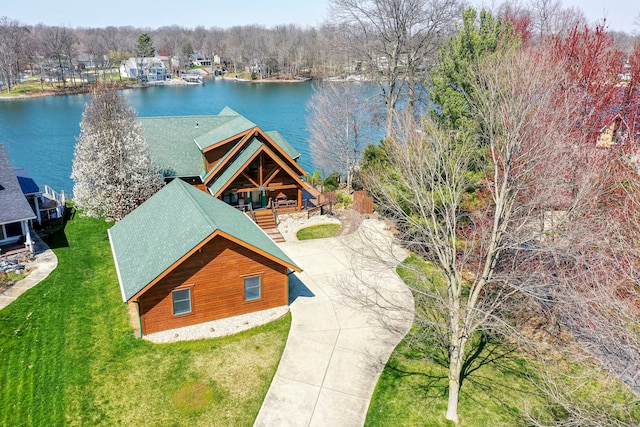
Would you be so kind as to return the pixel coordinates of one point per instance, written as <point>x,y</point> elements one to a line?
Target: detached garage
<point>184,257</point>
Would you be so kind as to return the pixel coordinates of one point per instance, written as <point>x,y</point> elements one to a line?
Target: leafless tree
<point>397,40</point>
<point>13,39</point>
<point>513,239</point>
<point>340,126</point>
<point>58,45</point>
<point>117,46</point>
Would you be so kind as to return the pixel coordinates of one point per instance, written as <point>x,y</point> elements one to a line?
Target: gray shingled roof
<point>167,226</point>
<point>13,204</point>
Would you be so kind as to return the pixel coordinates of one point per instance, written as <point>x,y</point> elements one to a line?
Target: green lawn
<point>69,356</point>
<point>318,231</point>
<point>413,389</point>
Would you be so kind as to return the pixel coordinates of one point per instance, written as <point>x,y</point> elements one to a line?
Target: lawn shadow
<point>490,366</point>
<point>54,234</point>
<point>298,289</point>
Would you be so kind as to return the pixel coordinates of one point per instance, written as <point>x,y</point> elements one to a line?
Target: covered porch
<point>265,182</point>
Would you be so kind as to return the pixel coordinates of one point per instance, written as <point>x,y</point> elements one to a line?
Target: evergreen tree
<point>144,48</point>
<point>112,167</point>
<point>480,36</point>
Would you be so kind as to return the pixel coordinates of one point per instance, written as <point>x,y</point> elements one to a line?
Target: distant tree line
<point>352,41</point>
<point>56,51</point>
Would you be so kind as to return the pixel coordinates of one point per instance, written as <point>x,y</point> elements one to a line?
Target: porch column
<point>36,199</point>
<point>299,199</point>
<point>27,236</point>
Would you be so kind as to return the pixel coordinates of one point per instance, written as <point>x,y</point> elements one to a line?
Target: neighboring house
<point>15,211</point>
<point>145,69</point>
<point>184,257</point>
<point>614,133</point>
<point>230,157</point>
<point>200,60</point>
<point>48,205</point>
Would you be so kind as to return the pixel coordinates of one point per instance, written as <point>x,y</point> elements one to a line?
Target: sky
<point>158,13</point>
<point>224,13</point>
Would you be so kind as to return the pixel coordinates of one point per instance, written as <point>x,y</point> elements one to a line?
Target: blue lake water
<point>40,133</point>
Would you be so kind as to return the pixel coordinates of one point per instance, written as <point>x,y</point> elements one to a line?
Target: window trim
<point>173,301</point>
<point>245,278</point>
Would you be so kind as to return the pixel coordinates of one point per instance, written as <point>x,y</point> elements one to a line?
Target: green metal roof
<point>234,166</point>
<point>171,142</point>
<point>228,125</point>
<point>176,143</point>
<point>284,144</point>
<point>167,226</point>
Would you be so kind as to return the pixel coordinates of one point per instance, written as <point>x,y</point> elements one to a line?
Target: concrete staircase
<point>267,221</point>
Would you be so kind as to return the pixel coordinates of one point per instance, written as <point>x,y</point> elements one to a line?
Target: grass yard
<point>413,388</point>
<point>69,356</point>
<point>318,231</point>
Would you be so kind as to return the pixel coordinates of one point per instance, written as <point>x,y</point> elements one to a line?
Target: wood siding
<point>213,156</point>
<point>215,275</point>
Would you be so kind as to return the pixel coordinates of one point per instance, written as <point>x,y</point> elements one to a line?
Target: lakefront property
<point>231,158</point>
<point>194,251</point>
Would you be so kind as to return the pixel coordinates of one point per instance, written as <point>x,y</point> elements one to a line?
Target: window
<point>252,288</point>
<point>181,301</point>
<point>14,229</point>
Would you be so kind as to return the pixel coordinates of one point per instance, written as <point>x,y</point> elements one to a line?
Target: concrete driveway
<point>349,311</point>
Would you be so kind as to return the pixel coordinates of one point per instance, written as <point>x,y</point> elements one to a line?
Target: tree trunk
<point>456,352</point>
<point>454,392</point>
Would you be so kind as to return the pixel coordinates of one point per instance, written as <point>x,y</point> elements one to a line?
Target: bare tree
<point>112,168</point>
<point>397,40</point>
<point>13,39</point>
<point>340,126</point>
<point>58,46</point>
<point>118,50</point>
<point>483,249</point>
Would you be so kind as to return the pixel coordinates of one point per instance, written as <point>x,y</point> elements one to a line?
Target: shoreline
<point>239,79</point>
<point>81,90</point>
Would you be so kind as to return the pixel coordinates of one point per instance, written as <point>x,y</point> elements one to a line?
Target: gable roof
<point>283,143</point>
<point>171,142</point>
<point>241,161</point>
<point>14,206</point>
<point>178,219</point>
<point>176,144</point>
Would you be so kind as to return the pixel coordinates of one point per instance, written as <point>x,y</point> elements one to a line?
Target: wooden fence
<point>362,203</point>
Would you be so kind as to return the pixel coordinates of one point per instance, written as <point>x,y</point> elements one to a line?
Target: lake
<point>40,133</point>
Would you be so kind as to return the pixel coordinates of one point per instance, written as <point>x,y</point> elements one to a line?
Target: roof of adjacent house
<point>14,206</point>
<point>157,235</point>
<point>27,184</point>
<point>177,143</point>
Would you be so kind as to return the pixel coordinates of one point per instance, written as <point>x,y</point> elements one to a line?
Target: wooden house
<point>614,133</point>
<point>184,257</point>
<point>230,157</point>
<point>15,211</point>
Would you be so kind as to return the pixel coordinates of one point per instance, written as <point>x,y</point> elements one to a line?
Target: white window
<point>181,301</point>
<point>252,288</point>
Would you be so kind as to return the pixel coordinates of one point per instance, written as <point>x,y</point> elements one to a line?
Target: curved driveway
<point>349,310</point>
